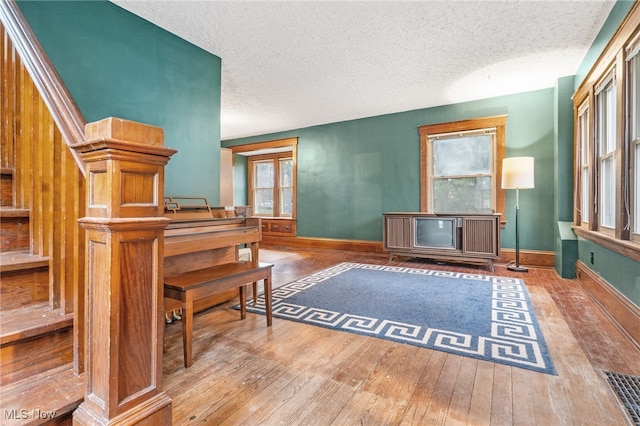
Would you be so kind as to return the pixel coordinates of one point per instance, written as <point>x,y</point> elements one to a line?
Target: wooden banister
<point>61,105</point>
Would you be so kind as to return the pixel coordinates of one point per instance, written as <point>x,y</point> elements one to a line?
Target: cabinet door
<point>480,236</point>
<point>397,232</point>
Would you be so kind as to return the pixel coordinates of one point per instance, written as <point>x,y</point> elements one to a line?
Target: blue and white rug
<point>485,317</point>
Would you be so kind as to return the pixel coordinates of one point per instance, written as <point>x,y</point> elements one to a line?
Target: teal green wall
<point>617,14</point>
<point>117,64</point>
<point>240,180</point>
<point>621,272</point>
<point>351,172</point>
<point>566,244</point>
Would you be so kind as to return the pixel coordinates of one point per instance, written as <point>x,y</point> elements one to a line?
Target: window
<point>607,144</point>
<point>633,60</point>
<point>461,172</point>
<point>271,180</point>
<point>459,165</point>
<point>585,170</point>
<point>263,185</point>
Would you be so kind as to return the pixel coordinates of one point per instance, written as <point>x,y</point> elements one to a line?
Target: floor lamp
<point>517,173</point>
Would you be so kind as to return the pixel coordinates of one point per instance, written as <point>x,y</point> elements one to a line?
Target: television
<point>436,232</point>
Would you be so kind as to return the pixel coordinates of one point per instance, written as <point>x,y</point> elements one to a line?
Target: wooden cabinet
<point>468,238</point>
<point>277,226</point>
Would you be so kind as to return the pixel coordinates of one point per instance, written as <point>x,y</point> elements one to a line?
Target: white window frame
<point>584,144</point>
<point>606,150</point>
<point>633,107</point>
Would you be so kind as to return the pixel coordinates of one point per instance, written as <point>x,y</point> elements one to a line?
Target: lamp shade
<point>517,173</point>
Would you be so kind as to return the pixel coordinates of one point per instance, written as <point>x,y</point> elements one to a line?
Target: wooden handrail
<point>63,108</point>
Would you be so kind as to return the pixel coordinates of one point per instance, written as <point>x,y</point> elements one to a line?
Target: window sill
<point>626,248</point>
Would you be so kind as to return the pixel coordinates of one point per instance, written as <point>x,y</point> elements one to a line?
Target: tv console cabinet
<point>449,237</point>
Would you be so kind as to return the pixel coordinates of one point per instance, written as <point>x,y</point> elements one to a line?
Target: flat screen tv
<point>435,232</point>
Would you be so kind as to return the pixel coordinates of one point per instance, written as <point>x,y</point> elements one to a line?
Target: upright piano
<point>200,236</point>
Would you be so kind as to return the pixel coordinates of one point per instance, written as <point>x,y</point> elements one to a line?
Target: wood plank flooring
<point>295,374</point>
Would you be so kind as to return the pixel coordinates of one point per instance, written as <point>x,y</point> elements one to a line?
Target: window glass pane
<point>286,173</point>
<point>610,138</point>
<point>263,188</point>
<point>583,123</point>
<point>286,202</point>
<point>463,195</point>
<point>583,135</point>
<point>607,192</point>
<point>634,87</point>
<point>585,194</point>
<point>264,201</point>
<point>263,174</point>
<point>463,156</point>
<point>606,116</point>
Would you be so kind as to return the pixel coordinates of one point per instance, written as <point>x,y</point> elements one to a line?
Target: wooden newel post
<point>124,317</point>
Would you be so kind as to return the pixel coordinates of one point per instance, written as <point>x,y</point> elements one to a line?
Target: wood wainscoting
<point>621,310</point>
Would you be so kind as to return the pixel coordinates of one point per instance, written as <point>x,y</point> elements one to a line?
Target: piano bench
<point>194,285</point>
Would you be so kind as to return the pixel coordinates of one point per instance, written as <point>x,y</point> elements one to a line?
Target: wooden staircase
<point>55,319</point>
<point>41,255</point>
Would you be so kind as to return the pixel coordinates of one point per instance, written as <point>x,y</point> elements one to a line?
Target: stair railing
<point>116,194</point>
<point>63,108</point>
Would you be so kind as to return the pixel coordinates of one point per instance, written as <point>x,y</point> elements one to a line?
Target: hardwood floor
<point>297,374</point>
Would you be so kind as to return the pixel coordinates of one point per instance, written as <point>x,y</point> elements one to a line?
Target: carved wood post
<point>124,317</point>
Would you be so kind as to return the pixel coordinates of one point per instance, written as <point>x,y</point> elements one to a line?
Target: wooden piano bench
<point>194,285</point>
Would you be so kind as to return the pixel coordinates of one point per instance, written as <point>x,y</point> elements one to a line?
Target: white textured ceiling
<point>291,64</point>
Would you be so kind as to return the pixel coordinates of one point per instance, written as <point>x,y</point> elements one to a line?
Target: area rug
<point>484,317</point>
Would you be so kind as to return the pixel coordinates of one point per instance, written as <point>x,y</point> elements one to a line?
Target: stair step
<point>6,212</point>
<point>21,260</point>
<point>34,340</point>
<point>14,232</point>
<point>57,392</point>
<point>32,321</point>
<point>6,186</point>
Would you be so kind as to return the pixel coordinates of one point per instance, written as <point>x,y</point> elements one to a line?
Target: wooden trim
<point>499,122</point>
<point>543,259</point>
<point>537,258</point>
<point>278,143</point>
<point>624,312</point>
<point>63,108</point>
<point>265,146</point>
<point>608,56</point>
<point>322,243</point>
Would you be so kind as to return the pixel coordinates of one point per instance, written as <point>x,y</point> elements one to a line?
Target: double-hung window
<point>459,164</point>
<point>605,101</point>
<point>584,163</point>
<point>607,144</point>
<point>633,96</point>
<point>272,185</point>
<point>271,176</point>
<point>462,172</point>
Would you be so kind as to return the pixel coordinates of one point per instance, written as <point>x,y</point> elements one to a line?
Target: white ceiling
<point>294,64</point>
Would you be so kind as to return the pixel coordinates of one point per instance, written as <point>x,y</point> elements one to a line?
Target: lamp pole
<point>517,267</point>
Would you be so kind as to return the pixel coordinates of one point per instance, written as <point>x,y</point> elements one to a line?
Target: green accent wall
<point>617,14</point>
<point>621,272</point>
<point>566,250</point>
<point>351,172</point>
<point>115,63</point>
